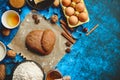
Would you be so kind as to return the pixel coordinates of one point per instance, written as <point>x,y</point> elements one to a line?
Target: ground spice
<point>52,75</point>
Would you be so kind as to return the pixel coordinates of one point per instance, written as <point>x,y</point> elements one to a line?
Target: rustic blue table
<point>93,57</point>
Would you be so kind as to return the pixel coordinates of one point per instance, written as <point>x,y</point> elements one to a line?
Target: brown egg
<point>83,16</point>
<point>76,1</point>
<point>73,20</point>
<point>69,11</point>
<point>66,2</point>
<point>80,7</point>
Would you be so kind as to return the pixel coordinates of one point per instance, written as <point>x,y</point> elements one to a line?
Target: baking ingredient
<point>2,72</point>
<point>54,18</point>
<point>66,2</point>
<point>28,71</point>
<point>37,21</point>
<point>66,31</point>
<point>34,16</point>
<point>88,33</point>
<point>53,74</point>
<point>68,44</point>
<point>85,29</point>
<point>73,20</point>
<point>63,22</point>
<point>67,50</point>
<point>80,7</point>
<point>41,41</point>
<point>11,53</point>
<point>56,3</point>
<point>2,51</point>
<point>12,19</point>
<point>6,32</point>
<point>69,11</point>
<point>69,38</point>
<point>83,16</point>
<point>76,1</point>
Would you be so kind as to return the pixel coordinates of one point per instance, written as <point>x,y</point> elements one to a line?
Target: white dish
<point>2,51</point>
<point>10,19</point>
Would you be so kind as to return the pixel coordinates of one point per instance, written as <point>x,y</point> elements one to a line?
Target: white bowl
<point>10,19</point>
<point>2,51</point>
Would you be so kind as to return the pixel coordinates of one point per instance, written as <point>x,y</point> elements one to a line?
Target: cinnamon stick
<point>92,29</point>
<point>65,29</point>
<point>68,37</point>
<point>63,22</point>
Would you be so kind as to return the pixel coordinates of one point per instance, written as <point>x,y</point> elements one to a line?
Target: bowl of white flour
<point>28,70</point>
<point>2,51</point>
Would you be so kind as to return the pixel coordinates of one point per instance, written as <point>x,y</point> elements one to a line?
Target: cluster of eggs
<point>75,11</point>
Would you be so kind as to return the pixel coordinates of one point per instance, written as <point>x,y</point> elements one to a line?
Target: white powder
<point>28,71</point>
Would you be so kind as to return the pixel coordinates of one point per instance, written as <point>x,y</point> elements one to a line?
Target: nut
<point>68,44</point>
<point>6,32</point>
<point>34,16</point>
<point>54,18</point>
<point>67,50</point>
<point>56,3</point>
<point>11,53</point>
<point>37,21</point>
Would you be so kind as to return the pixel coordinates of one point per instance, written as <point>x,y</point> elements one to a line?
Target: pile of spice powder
<point>28,71</point>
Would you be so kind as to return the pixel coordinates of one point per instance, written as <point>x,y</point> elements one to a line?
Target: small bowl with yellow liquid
<point>10,19</point>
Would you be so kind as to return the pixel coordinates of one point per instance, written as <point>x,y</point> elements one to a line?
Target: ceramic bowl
<point>2,51</point>
<point>10,19</point>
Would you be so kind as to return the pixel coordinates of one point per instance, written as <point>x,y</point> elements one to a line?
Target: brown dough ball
<point>66,2</point>
<point>56,3</point>
<point>2,72</point>
<point>69,11</point>
<point>54,18</point>
<point>11,53</point>
<point>6,32</point>
<point>83,16</point>
<point>80,7</point>
<point>41,41</point>
<point>73,20</point>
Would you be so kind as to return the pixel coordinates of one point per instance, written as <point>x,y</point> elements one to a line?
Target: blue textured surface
<point>93,57</point>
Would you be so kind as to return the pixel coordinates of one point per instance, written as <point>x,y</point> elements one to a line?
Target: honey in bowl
<point>10,19</point>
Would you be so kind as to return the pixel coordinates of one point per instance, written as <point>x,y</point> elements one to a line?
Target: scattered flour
<point>28,71</point>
